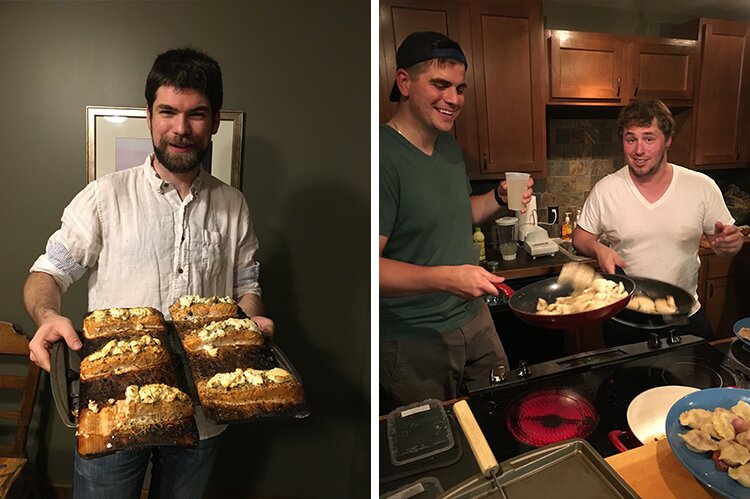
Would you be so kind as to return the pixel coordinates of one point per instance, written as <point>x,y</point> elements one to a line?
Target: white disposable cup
<point>517,185</point>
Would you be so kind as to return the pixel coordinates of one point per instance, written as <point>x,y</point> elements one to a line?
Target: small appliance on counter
<point>535,239</point>
<point>505,234</point>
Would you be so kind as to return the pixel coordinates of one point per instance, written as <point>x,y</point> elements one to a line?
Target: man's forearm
<point>41,296</point>
<point>483,207</point>
<point>251,304</point>
<point>585,242</point>
<point>403,279</point>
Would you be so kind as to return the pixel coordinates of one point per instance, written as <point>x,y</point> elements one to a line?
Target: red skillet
<point>523,303</point>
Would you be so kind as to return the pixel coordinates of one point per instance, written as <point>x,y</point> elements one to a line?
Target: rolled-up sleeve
<point>75,246</point>
<point>247,269</point>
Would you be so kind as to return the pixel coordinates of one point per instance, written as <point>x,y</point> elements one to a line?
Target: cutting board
<point>654,471</point>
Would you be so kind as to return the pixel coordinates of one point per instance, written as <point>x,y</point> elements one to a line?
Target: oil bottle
<point>478,240</point>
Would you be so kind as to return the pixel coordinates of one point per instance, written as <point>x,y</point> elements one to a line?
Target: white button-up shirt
<point>144,246</point>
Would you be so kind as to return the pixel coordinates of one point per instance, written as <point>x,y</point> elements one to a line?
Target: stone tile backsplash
<point>580,152</point>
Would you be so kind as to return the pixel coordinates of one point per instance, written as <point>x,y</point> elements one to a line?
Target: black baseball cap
<point>423,46</point>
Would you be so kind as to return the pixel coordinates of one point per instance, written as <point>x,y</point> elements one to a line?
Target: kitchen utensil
<point>524,301</point>
<point>427,487</point>
<point>700,464</point>
<point>657,289</point>
<point>739,325</point>
<point>479,447</point>
<point>65,370</point>
<point>568,469</point>
<point>506,229</point>
<point>647,413</point>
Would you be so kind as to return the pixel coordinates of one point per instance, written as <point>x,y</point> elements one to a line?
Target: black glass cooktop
<point>589,395</point>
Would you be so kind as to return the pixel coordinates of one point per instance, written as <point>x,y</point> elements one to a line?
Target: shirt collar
<point>161,185</point>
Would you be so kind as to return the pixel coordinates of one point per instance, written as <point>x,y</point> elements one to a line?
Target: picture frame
<point>118,138</point>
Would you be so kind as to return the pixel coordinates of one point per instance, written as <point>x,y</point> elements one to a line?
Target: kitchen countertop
<point>654,471</point>
<point>527,266</point>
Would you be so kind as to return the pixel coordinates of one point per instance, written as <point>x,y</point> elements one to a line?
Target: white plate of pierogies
<point>698,461</point>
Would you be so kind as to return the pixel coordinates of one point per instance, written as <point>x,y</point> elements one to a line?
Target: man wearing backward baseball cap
<point>436,332</point>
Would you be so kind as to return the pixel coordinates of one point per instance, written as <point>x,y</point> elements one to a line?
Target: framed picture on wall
<point>118,138</point>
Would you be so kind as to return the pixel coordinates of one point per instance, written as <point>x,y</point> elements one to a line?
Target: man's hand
<point>609,259</point>
<point>50,332</point>
<point>526,198</point>
<point>266,325</point>
<point>727,240</point>
<point>471,281</point>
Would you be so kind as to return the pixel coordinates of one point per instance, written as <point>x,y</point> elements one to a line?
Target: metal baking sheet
<point>568,469</point>
<point>65,371</point>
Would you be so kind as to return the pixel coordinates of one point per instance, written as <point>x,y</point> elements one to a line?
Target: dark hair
<point>186,68</point>
<point>642,112</point>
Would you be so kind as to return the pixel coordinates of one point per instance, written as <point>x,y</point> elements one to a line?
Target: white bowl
<point>647,413</point>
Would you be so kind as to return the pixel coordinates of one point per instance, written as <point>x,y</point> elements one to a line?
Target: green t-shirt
<point>426,214</point>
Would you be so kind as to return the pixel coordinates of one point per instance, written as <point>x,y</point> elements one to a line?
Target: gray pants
<point>437,366</point>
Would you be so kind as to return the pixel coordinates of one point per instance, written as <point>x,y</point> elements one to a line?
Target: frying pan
<point>523,303</point>
<point>657,289</point>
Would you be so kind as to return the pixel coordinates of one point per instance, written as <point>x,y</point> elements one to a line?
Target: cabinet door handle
<point>635,86</point>
<point>618,87</point>
<point>738,153</point>
<point>710,290</point>
<point>484,161</point>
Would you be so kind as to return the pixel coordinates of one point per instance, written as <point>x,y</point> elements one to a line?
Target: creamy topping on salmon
<point>188,300</point>
<point>255,377</point>
<point>119,347</point>
<point>121,313</point>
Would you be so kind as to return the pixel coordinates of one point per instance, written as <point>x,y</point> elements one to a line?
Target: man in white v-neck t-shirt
<point>654,214</point>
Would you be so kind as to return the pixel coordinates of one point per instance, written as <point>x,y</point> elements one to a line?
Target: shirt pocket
<point>211,246</point>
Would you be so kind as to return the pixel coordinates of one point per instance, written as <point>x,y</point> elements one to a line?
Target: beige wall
<point>300,71</point>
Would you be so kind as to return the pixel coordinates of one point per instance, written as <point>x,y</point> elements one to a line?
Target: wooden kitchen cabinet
<point>723,290</point>
<point>586,66</point>
<point>722,113</point>
<point>508,77</point>
<point>502,125</point>
<point>663,68</point>
<point>604,69</point>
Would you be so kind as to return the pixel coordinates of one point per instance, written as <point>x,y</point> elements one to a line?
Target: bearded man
<point>147,236</point>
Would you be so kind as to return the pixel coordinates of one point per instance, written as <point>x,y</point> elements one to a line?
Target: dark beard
<point>178,163</point>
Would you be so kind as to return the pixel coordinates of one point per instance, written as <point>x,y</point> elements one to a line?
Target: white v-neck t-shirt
<point>658,240</point>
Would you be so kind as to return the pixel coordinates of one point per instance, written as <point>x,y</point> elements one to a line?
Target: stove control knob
<point>498,374</point>
<point>523,369</point>
<point>654,341</point>
<point>673,338</point>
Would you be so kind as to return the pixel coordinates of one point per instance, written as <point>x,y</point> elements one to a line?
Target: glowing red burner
<point>550,416</point>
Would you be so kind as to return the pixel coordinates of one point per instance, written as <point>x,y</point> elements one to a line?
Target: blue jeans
<point>177,473</point>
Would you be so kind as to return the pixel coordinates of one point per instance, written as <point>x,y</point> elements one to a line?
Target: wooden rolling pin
<point>488,465</point>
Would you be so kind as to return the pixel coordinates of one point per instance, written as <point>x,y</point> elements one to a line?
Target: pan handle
<point>505,289</point>
<point>616,437</point>
<point>479,446</point>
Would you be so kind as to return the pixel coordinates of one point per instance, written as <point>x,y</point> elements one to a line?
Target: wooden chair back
<point>13,343</point>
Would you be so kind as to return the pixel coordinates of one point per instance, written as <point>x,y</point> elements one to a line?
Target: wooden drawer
<point>717,266</point>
